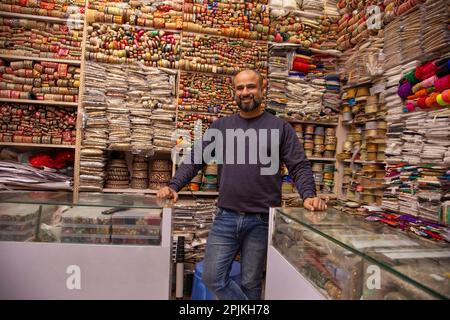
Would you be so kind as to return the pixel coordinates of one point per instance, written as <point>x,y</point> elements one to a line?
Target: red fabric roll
<point>301,67</point>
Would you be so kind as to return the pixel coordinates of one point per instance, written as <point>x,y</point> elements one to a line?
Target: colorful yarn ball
<point>421,103</point>
<point>431,100</point>
<point>446,96</point>
<point>442,84</point>
<point>440,101</point>
<point>409,107</point>
<point>405,90</point>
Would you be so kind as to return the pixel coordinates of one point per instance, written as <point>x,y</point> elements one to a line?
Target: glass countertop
<point>417,261</point>
<point>85,199</point>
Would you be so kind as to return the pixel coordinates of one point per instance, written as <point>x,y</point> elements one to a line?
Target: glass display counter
<point>333,255</point>
<point>103,247</point>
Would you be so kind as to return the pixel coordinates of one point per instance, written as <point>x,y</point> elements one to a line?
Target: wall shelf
<point>44,102</point>
<point>41,18</point>
<point>33,58</point>
<point>37,145</point>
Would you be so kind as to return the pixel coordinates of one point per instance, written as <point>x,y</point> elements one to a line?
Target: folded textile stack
<point>95,138</point>
<point>437,136</point>
<point>392,44</point>
<point>117,112</point>
<point>140,113</point>
<point>17,175</point>
<point>192,219</point>
<point>435,22</point>
<point>394,118</point>
<point>161,99</point>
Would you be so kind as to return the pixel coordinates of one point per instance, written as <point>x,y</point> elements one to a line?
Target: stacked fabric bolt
<point>95,132</point>
<point>192,219</point>
<point>127,44</point>
<point>39,81</point>
<point>395,121</point>
<point>204,93</point>
<point>161,99</point>
<point>160,174</point>
<point>214,54</point>
<point>117,111</point>
<point>117,174</point>
<point>249,19</point>
<point>140,113</point>
<point>209,182</point>
<point>139,176</point>
<point>436,136</point>
<point>153,14</point>
<point>73,9</point>
<point>435,21</point>
<point>37,124</point>
<point>411,43</point>
<point>18,38</point>
<point>392,44</point>
<point>392,182</point>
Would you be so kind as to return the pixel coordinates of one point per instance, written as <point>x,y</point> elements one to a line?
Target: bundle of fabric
<point>117,111</point>
<point>15,175</point>
<point>95,137</point>
<point>140,114</point>
<point>392,44</point>
<point>192,219</point>
<point>435,21</point>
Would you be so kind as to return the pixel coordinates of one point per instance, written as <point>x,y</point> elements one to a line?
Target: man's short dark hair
<point>260,77</point>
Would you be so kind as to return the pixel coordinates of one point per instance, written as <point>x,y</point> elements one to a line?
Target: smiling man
<point>246,191</point>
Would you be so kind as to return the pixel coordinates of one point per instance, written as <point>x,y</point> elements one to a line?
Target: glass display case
<point>105,246</point>
<point>333,255</point>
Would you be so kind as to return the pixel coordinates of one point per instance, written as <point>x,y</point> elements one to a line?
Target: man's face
<point>247,91</point>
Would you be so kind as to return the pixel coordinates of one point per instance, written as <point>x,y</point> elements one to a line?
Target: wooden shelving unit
<point>33,58</point>
<point>40,18</point>
<point>37,145</point>
<point>44,102</point>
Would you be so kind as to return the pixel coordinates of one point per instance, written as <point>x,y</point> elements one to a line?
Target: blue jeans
<point>230,233</point>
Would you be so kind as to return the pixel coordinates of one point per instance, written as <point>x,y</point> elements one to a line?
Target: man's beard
<point>247,108</point>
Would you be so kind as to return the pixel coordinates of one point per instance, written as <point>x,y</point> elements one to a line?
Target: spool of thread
<point>347,116</point>
<point>371,156</point>
<point>330,132</point>
<point>319,131</point>
<point>371,147</point>
<point>362,92</point>
<point>317,167</point>
<point>371,125</point>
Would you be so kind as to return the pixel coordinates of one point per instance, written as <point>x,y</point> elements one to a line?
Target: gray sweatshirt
<point>245,187</point>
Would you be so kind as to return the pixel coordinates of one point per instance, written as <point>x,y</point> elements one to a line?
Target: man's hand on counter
<point>314,204</point>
